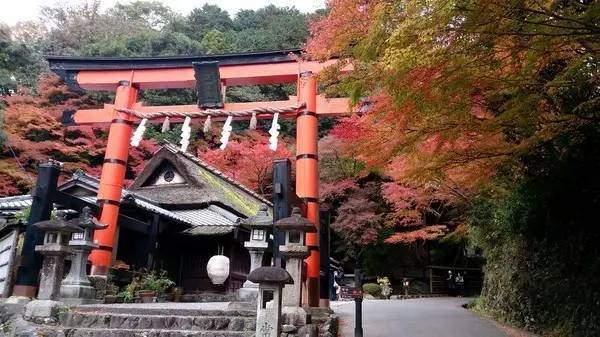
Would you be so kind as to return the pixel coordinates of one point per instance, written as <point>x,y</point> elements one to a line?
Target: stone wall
<point>320,322</point>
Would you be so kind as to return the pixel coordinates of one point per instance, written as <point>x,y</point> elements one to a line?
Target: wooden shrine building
<point>179,212</point>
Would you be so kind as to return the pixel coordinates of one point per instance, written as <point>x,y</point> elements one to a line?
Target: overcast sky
<point>20,10</point>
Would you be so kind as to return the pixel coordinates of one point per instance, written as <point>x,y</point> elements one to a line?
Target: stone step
<point>89,332</point>
<point>163,309</point>
<point>131,321</point>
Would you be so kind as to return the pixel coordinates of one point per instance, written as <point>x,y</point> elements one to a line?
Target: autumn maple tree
<point>33,133</point>
<point>454,89</point>
<point>248,159</point>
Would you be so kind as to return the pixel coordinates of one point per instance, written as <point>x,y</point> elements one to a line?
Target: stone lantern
<point>56,235</point>
<point>259,225</point>
<point>270,283</point>
<point>294,251</point>
<point>76,288</point>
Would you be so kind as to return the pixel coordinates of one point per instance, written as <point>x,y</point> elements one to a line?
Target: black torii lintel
<point>67,67</point>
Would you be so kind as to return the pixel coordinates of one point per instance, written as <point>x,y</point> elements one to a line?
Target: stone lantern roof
<point>86,220</point>
<point>270,275</point>
<point>260,219</point>
<point>60,224</point>
<point>296,222</point>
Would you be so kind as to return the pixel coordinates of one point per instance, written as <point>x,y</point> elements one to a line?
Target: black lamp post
<point>358,296</point>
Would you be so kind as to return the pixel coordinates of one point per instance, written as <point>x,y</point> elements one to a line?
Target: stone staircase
<point>160,321</point>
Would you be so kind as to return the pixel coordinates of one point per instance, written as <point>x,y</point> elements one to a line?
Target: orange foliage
<point>422,234</point>
<point>332,34</point>
<point>34,133</point>
<point>248,160</point>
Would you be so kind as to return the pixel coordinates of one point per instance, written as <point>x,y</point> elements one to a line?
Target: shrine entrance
<point>210,76</point>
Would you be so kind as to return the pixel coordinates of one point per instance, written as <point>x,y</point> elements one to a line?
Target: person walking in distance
<point>451,285</point>
<point>460,285</point>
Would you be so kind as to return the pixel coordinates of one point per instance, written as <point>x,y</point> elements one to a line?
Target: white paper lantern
<point>218,269</point>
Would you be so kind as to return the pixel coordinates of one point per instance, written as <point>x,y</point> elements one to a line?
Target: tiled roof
<point>205,221</point>
<point>12,205</point>
<point>216,171</point>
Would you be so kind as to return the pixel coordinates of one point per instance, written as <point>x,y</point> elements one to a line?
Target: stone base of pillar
<point>295,316</point>
<point>324,303</point>
<point>245,306</point>
<point>248,293</point>
<point>43,311</point>
<point>74,294</point>
<point>17,300</point>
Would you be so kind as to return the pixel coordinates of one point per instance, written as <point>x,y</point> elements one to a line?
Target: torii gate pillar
<point>111,180</point>
<point>307,176</point>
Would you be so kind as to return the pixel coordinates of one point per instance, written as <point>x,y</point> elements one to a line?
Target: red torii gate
<point>126,76</point>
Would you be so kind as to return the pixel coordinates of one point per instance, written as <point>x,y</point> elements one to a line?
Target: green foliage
<point>157,281</point>
<point>154,132</point>
<point>334,168</point>
<point>538,229</point>
<point>23,215</point>
<point>149,28</point>
<point>6,328</point>
<point>128,293</point>
<point>168,97</point>
<point>145,43</point>
<point>372,289</point>
<point>203,20</point>
<point>270,28</point>
<point>217,42</point>
<point>19,64</point>
<point>476,304</point>
<point>153,14</point>
<point>104,286</point>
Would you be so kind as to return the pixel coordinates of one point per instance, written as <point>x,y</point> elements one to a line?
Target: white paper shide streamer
<point>207,125</point>
<point>226,132</point>
<point>138,134</point>
<point>253,122</point>
<point>274,132</point>
<point>186,131</point>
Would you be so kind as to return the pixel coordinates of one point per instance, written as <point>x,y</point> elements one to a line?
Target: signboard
<point>346,293</point>
<point>208,85</point>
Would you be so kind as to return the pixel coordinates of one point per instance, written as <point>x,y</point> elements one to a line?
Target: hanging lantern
<point>218,269</point>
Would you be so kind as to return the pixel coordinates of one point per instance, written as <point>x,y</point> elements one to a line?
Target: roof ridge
<point>77,175</point>
<point>16,197</point>
<point>173,148</point>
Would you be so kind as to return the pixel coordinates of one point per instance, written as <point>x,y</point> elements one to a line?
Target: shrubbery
<point>541,240</point>
<point>372,289</point>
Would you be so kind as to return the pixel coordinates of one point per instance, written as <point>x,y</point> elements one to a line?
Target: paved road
<point>428,317</point>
